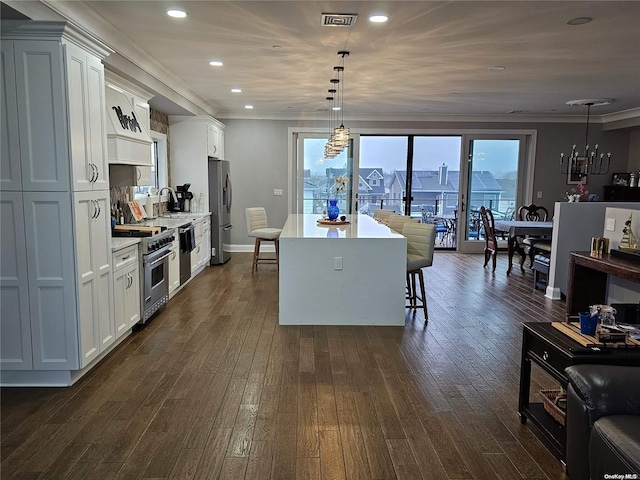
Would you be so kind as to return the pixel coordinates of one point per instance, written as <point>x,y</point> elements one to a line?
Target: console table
<point>587,282</point>
<point>554,351</point>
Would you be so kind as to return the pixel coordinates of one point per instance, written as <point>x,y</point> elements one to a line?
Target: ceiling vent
<point>339,19</point>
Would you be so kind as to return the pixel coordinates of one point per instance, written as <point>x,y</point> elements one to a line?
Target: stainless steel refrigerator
<point>220,199</point>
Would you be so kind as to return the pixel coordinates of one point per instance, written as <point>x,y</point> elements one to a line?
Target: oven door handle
<point>149,263</point>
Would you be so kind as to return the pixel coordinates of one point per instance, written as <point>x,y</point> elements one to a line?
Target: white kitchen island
<point>341,275</point>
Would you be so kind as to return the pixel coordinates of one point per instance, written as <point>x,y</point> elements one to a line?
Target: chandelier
<point>338,136</point>
<point>589,162</point>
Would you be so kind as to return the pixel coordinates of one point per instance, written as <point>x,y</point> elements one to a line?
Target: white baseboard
<point>553,293</point>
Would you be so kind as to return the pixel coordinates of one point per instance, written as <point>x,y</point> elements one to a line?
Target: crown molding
<point>83,17</point>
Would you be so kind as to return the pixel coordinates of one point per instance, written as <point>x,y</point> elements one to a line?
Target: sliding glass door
<point>316,175</point>
<point>493,178</point>
<point>439,179</point>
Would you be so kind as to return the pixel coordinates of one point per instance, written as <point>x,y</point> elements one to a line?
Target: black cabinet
<point>621,193</point>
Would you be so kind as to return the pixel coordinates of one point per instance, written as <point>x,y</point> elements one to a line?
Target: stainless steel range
<point>155,249</point>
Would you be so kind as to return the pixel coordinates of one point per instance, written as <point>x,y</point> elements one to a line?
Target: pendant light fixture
<point>338,136</point>
<point>588,162</point>
<point>341,133</point>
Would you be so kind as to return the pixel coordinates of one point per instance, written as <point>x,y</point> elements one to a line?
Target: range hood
<point>128,140</point>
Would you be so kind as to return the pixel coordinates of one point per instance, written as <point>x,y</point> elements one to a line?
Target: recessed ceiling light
<point>236,90</point>
<point>378,18</point>
<point>335,108</point>
<point>497,68</point>
<point>579,21</point>
<point>215,63</point>
<point>176,13</point>
<point>249,107</point>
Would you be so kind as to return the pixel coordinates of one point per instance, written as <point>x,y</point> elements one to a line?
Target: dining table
<point>521,228</point>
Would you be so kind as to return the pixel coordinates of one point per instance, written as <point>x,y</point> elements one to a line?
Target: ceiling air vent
<point>339,19</point>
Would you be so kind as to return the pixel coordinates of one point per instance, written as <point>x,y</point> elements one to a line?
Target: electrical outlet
<point>611,224</point>
<point>277,192</point>
<point>213,252</point>
<point>539,195</point>
<point>337,263</point>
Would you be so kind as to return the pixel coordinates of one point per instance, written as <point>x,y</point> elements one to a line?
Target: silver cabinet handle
<point>139,174</point>
<point>94,215</point>
<point>545,356</point>
<point>94,169</point>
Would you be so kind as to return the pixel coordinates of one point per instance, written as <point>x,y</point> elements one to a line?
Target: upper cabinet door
<point>85,81</point>
<point>97,122</point>
<point>213,149</point>
<point>42,109</point>
<point>10,176</point>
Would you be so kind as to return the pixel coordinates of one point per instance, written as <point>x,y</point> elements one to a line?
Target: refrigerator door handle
<point>230,194</point>
<point>227,228</point>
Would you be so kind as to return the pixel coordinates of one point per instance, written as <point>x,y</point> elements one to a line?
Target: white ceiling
<point>431,58</point>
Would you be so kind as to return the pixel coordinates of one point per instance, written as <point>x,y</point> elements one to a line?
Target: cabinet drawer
<point>547,356</point>
<point>125,257</point>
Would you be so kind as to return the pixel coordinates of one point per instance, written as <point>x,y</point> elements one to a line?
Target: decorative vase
<point>333,211</point>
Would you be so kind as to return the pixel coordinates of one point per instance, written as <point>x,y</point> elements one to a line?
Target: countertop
<point>361,226</point>
<point>118,243</point>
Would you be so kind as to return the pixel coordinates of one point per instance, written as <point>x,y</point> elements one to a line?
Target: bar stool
<point>421,240</point>
<point>395,222</point>
<point>257,227</point>
<point>382,215</point>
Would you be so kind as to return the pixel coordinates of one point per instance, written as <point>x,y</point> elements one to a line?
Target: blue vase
<point>333,211</point>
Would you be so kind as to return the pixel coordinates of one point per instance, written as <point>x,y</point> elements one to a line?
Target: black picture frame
<point>621,179</point>
<point>574,178</point>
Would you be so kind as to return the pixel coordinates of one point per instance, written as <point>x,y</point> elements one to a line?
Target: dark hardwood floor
<point>214,388</point>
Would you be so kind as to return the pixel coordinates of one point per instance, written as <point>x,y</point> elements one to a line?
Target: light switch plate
<point>277,192</point>
<point>611,224</point>
<point>539,195</point>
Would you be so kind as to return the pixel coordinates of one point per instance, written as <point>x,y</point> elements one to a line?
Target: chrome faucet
<point>171,192</point>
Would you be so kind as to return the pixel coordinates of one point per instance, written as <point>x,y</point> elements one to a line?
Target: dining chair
<point>491,242</point>
<point>533,213</point>
<point>396,222</point>
<point>257,227</point>
<point>382,215</point>
<point>421,239</point>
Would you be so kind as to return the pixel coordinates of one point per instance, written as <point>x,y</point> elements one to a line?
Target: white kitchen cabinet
<point>85,80</point>
<point>129,175</point>
<point>174,266</point>
<point>52,280</point>
<point>190,150</point>
<point>10,175</point>
<point>205,252</point>
<point>126,291</point>
<point>35,114</point>
<point>53,105</point>
<point>215,141</point>
<point>196,255</point>
<point>95,273</point>
<point>15,328</point>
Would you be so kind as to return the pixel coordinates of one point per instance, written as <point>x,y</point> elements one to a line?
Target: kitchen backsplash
<point>122,195</point>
